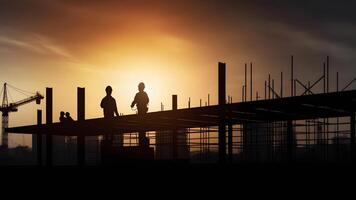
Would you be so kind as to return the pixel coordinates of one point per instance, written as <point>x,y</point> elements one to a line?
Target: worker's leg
<point>143,141</point>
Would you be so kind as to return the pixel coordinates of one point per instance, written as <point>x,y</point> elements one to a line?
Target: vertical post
<point>290,140</point>
<point>327,119</point>
<point>352,137</point>
<point>265,90</point>
<point>251,82</point>
<point>39,139</point>
<point>337,119</point>
<point>327,74</point>
<point>292,76</point>
<point>269,86</point>
<point>273,94</point>
<point>230,143</point>
<point>243,93</point>
<point>245,81</point>
<point>174,136</point>
<point>208,99</point>
<point>337,81</point>
<point>81,117</point>
<point>222,96</point>
<point>324,77</point>
<point>189,103</point>
<point>49,120</point>
<point>281,92</point>
<point>174,102</point>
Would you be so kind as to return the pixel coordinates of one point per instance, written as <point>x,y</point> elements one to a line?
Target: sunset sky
<point>172,46</point>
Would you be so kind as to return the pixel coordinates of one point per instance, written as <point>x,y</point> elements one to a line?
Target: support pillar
<point>352,137</point>
<point>175,131</point>
<point>290,141</point>
<point>230,143</point>
<point>49,120</point>
<point>39,139</point>
<point>222,124</point>
<point>81,117</point>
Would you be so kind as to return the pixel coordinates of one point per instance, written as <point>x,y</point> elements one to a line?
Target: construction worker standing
<point>141,100</point>
<point>109,104</point>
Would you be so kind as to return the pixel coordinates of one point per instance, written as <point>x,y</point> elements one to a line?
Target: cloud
<point>34,43</point>
<point>20,44</point>
<point>312,40</point>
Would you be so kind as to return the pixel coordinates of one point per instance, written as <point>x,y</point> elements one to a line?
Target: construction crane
<point>7,107</point>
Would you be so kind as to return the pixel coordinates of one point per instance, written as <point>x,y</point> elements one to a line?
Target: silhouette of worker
<point>62,117</point>
<point>68,117</point>
<point>109,104</point>
<point>141,100</point>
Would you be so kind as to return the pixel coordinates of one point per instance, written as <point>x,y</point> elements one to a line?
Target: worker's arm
<point>102,103</point>
<point>134,101</point>
<point>116,112</point>
<point>115,108</point>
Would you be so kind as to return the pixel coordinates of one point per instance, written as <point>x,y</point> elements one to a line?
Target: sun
<point>126,83</point>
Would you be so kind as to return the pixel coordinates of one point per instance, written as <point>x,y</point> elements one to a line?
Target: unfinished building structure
<point>309,127</point>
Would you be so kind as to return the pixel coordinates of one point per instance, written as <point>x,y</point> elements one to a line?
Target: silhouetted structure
<point>274,129</point>
<point>7,107</point>
<point>165,145</point>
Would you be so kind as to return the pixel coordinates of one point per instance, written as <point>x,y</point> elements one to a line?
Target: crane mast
<point>6,108</point>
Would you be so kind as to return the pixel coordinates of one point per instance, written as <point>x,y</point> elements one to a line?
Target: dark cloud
<point>263,29</point>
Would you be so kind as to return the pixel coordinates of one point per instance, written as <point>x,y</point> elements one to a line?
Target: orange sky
<point>173,47</point>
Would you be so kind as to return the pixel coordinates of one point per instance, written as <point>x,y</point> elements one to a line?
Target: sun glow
<point>152,76</point>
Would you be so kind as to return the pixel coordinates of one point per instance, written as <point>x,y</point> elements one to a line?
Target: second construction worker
<point>141,101</point>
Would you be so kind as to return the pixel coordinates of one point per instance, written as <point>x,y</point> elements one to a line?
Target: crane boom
<point>37,97</point>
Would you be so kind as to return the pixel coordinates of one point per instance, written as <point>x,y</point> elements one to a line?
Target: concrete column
<point>49,120</point>
<point>290,141</point>
<point>174,132</point>
<point>230,143</point>
<point>222,101</point>
<point>81,117</point>
<point>39,139</point>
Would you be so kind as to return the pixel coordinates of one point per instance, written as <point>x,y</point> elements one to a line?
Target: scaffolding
<point>308,126</point>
